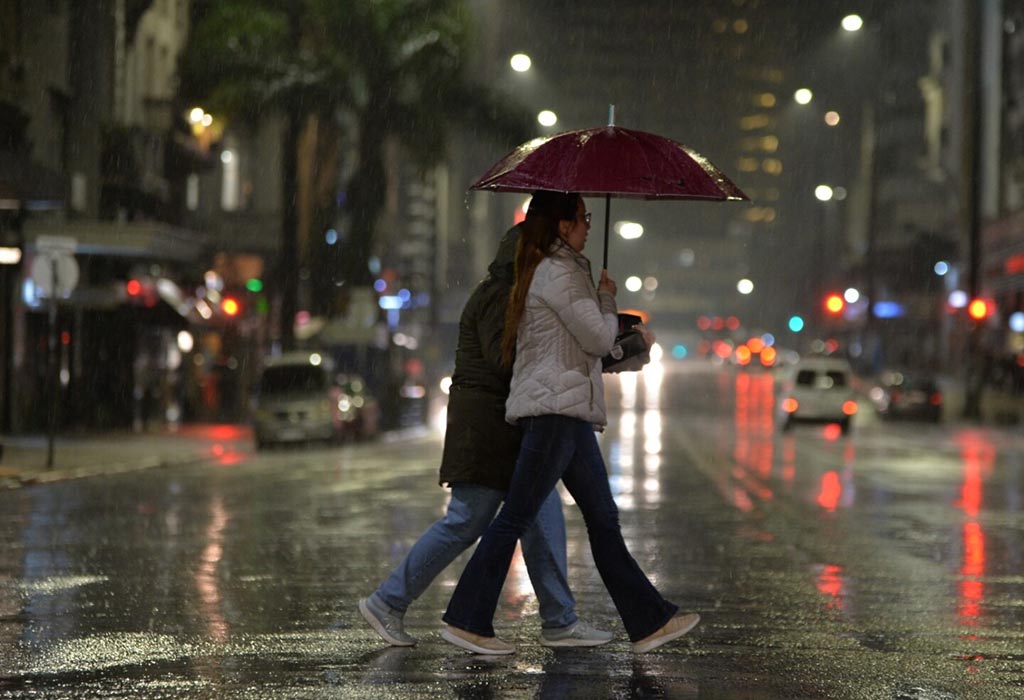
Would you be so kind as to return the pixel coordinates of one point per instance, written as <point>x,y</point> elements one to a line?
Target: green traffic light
<point>254,285</point>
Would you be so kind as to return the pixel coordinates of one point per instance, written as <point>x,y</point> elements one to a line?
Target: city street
<point>883,564</point>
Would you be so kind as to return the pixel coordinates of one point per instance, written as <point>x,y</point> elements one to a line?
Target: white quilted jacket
<point>566,328</point>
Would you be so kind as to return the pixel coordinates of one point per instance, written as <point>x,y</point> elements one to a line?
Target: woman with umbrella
<point>558,327</point>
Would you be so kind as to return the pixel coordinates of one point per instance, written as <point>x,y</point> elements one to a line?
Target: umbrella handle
<point>607,216</point>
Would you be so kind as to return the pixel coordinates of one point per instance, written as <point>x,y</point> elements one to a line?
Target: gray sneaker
<point>385,623</point>
<point>578,635</point>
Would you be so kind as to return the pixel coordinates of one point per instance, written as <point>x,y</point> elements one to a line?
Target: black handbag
<point>630,352</point>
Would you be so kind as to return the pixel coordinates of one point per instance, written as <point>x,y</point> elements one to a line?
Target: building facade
<point>93,87</point>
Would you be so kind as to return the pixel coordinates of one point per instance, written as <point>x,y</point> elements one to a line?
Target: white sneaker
<point>673,629</point>
<point>579,634</point>
<point>476,643</point>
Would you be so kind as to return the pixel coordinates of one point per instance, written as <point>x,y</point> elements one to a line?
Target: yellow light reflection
<point>206,576</point>
<point>654,375</point>
<point>628,381</point>
<point>627,425</point>
<point>518,590</point>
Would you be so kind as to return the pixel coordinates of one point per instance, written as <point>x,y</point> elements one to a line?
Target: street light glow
<point>803,96</point>
<point>634,283</point>
<point>185,341</point>
<point>832,118</point>
<point>196,115</point>
<point>745,286</point>
<point>629,229</point>
<point>520,62</point>
<point>1017,322</point>
<point>852,23</point>
<point>10,255</point>
<point>547,118</point>
<point>852,295</point>
<point>823,193</point>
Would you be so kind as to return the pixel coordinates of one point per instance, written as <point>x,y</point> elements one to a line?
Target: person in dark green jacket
<point>480,451</point>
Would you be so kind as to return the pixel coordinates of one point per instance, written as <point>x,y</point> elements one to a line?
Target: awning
<point>143,239</point>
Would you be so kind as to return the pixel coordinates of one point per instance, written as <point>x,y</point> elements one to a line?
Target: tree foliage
<point>375,70</point>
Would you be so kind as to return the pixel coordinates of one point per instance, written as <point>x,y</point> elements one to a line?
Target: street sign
<point>43,268</point>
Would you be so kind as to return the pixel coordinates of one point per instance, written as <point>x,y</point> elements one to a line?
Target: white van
<point>816,389</point>
<point>295,400</point>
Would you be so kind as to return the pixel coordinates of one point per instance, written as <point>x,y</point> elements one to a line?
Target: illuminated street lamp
<point>852,23</point>
<point>803,96</point>
<point>823,193</point>
<point>547,118</point>
<point>520,62</point>
<point>628,230</point>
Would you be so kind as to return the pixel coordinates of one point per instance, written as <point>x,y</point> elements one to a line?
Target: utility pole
<point>976,50</point>
<point>870,176</point>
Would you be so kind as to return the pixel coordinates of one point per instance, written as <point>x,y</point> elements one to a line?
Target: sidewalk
<point>24,457</point>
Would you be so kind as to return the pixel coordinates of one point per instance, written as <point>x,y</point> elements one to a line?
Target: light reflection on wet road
<point>885,564</point>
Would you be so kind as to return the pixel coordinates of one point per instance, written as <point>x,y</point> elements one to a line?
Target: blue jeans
<point>470,511</point>
<point>557,447</point>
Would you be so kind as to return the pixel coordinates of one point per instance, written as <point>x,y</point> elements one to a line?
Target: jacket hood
<point>504,260</point>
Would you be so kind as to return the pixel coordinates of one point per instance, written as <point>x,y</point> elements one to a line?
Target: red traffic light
<point>834,304</point>
<point>979,309</point>
<point>230,306</point>
<point>133,287</point>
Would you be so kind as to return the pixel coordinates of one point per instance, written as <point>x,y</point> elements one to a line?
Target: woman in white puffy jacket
<point>558,326</point>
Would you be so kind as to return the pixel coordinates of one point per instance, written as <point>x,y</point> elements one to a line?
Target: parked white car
<point>816,389</point>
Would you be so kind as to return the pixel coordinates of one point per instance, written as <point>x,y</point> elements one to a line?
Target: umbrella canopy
<point>613,161</point>
<point>610,161</point>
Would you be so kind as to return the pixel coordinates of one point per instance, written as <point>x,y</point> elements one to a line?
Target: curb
<point>12,478</point>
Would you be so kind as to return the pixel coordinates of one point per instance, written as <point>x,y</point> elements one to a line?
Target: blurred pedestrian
<point>480,451</point>
<point>558,327</point>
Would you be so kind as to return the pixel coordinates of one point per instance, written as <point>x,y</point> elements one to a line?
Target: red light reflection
<point>832,432</point>
<point>971,589</point>
<point>830,582</point>
<point>831,491</point>
<point>978,455</point>
<point>754,439</point>
<point>226,457</point>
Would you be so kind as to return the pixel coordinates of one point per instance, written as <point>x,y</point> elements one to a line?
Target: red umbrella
<point>612,162</point>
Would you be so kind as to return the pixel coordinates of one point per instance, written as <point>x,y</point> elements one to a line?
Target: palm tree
<point>370,71</point>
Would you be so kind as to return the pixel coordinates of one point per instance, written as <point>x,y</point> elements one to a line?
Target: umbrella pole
<point>607,216</point>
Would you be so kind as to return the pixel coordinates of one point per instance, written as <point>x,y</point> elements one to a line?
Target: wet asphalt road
<point>886,564</point>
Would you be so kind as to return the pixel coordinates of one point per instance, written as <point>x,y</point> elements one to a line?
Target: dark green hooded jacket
<point>479,446</point>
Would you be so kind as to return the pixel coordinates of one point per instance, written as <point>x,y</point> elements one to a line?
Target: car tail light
<point>935,399</point>
<point>849,408</point>
<point>790,405</point>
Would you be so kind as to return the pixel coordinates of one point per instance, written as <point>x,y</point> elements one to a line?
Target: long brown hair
<point>538,235</point>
